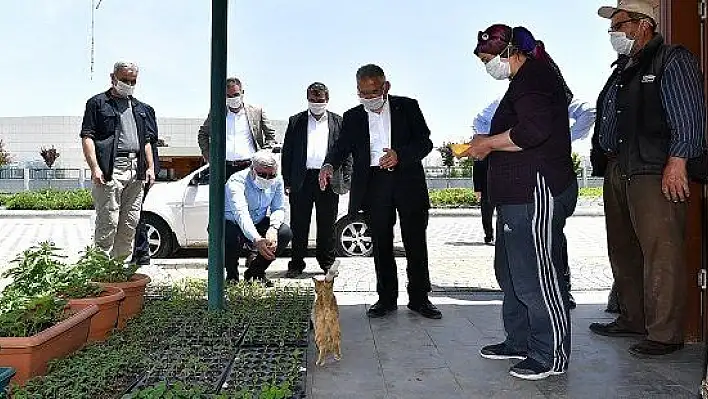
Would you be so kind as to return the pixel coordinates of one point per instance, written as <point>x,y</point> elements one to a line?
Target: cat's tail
<point>333,271</point>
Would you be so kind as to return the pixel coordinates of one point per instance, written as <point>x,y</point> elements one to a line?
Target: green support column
<point>217,153</point>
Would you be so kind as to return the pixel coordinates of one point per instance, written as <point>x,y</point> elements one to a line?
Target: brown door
<point>681,23</point>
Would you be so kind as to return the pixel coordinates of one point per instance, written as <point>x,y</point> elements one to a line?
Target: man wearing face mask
<point>308,137</point>
<point>247,130</point>
<point>651,129</point>
<point>254,213</point>
<point>388,138</point>
<point>116,145</point>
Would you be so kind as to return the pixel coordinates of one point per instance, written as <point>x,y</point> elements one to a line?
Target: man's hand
<point>272,237</point>
<point>97,176</point>
<point>478,194</point>
<point>286,190</point>
<point>263,247</point>
<point>674,183</point>
<point>389,160</point>
<point>149,177</point>
<point>326,174</point>
<point>206,158</point>
<point>479,148</point>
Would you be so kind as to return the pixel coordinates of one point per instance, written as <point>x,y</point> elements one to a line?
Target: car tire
<point>353,237</point>
<point>160,237</point>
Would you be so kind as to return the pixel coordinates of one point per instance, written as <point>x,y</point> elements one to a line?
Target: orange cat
<point>325,317</point>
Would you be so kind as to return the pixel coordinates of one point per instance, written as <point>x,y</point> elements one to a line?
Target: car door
<point>195,214</point>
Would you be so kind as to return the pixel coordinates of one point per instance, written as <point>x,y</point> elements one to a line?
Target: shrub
<point>453,197</point>
<point>51,200</point>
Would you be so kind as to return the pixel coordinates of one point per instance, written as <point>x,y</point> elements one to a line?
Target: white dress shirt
<point>317,140</point>
<point>239,142</point>
<point>379,132</point>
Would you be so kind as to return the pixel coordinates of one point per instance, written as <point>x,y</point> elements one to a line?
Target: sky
<point>278,47</point>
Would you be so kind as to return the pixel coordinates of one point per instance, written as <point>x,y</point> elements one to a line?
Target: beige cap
<point>639,6</point>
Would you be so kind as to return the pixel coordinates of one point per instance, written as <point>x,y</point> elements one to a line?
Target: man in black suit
<point>388,138</point>
<point>310,134</point>
<point>141,247</point>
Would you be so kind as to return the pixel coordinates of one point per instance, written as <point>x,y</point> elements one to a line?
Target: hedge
<point>50,200</point>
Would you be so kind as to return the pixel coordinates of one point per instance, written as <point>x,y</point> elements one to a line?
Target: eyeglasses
<point>373,93</point>
<point>618,25</point>
<point>264,175</point>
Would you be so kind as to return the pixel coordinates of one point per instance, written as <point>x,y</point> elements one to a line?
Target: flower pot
<point>29,355</point>
<point>6,374</point>
<point>134,297</point>
<point>107,317</point>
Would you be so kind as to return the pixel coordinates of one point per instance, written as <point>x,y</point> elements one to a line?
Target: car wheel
<point>160,237</point>
<point>353,237</point>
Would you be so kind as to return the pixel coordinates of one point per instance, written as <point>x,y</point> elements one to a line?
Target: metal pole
<point>217,153</point>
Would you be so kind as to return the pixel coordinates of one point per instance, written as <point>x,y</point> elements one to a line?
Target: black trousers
<point>235,241</point>
<point>326,204</point>
<point>487,210</point>
<point>141,246</point>
<point>382,206</point>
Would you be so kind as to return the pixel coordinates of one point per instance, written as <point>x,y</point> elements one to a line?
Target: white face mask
<point>621,43</point>
<point>498,69</point>
<point>262,183</point>
<point>123,89</point>
<point>234,102</point>
<point>317,108</point>
<point>373,104</point>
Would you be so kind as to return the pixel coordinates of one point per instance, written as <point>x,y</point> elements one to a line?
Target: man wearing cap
<point>651,122</point>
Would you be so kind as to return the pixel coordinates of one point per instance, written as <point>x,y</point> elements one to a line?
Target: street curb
<point>56,214</point>
<point>592,211</point>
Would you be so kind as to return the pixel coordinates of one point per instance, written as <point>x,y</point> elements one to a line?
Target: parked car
<point>177,214</point>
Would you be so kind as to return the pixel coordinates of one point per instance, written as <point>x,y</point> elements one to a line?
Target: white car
<point>177,213</point>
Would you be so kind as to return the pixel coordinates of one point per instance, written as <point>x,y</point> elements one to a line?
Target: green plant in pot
<point>97,266</point>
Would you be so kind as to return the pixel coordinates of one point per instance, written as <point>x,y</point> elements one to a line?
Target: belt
<point>611,155</point>
<point>239,164</point>
<point>378,169</point>
<point>126,154</point>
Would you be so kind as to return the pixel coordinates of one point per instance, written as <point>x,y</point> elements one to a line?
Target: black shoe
<point>293,273</point>
<point>530,369</point>
<point>613,330</point>
<point>571,302</point>
<point>489,240</point>
<point>425,309</point>
<point>381,309</point>
<point>653,348</point>
<point>612,309</point>
<point>142,260</point>
<point>501,352</point>
<point>259,279</point>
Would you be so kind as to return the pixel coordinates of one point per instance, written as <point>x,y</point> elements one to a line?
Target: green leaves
<point>96,265</point>
<point>453,197</point>
<point>27,316</point>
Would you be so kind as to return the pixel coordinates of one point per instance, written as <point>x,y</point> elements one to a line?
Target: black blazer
<point>151,125</point>
<point>294,153</point>
<point>410,138</point>
<point>479,175</point>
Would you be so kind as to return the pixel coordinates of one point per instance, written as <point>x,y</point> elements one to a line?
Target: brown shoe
<point>614,330</point>
<point>653,348</point>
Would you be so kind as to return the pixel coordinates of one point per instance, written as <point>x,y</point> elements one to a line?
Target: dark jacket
<point>643,131</point>
<point>410,138</point>
<point>153,135</point>
<point>479,175</point>
<point>262,132</point>
<point>535,108</point>
<point>294,153</point>
<point>101,123</point>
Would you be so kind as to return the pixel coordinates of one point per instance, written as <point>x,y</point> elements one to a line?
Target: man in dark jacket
<point>388,138</point>
<point>310,134</point>
<point>141,247</point>
<point>117,149</point>
<point>651,123</point>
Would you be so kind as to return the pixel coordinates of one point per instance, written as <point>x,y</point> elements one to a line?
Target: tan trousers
<point>118,204</point>
<point>645,240</point>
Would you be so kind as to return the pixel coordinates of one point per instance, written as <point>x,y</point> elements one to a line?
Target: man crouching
<point>251,195</point>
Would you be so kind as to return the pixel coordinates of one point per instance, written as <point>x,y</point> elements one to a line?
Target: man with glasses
<point>251,196</point>
<point>651,125</point>
<point>116,145</point>
<point>388,139</point>
<point>247,130</point>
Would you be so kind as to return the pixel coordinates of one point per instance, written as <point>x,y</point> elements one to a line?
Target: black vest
<point>643,132</point>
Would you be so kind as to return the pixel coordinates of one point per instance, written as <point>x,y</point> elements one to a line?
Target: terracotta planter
<point>29,355</point>
<point>134,297</point>
<point>107,317</point>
